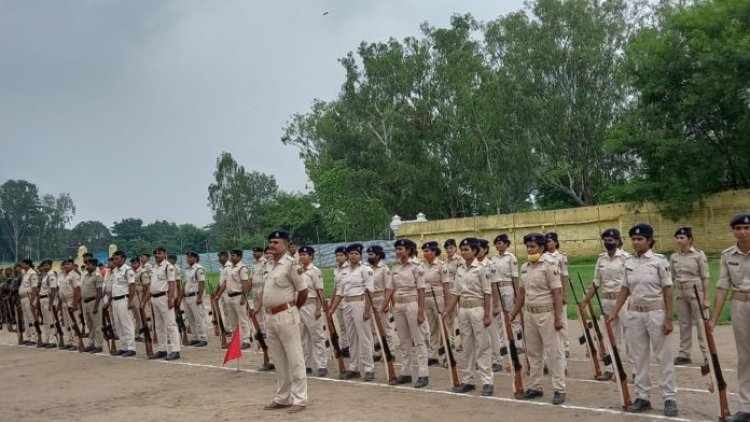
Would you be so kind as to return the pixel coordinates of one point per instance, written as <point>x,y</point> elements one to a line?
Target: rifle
<point>718,377</point>
<point>38,320</point>
<point>147,340</point>
<point>523,328</point>
<point>211,312</point>
<point>390,371</point>
<point>445,338</point>
<point>515,362</point>
<point>594,321</point>
<point>622,378</point>
<point>335,344</point>
<point>76,330</point>
<point>181,324</point>
<point>219,322</point>
<point>20,325</point>
<point>58,327</point>
<point>108,331</point>
<point>261,339</point>
<point>586,338</point>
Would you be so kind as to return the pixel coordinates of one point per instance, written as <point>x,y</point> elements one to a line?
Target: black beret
<point>279,234</point>
<point>222,253</point>
<point>431,245</point>
<point>172,256</point>
<point>354,247</point>
<point>449,242</point>
<point>406,243</point>
<point>340,249</point>
<point>614,233</point>
<point>134,260</point>
<point>237,252</point>
<point>258,249</point>
<point>484,243</point>
<point>471,242</point>
<point>46,262</point>
<point>741,218</point>
<point>192,254</point>
<point>684,231</point>
<point>502,238</point>
<point>375,249</point>
<point>143,254</point>
<point>641,230</point>
<point>537,238</point>
<point>551,235</point>
<point>306,249</point>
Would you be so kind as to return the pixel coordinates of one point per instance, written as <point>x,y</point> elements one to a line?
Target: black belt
<point>88,300</point>
<point>160,294</point>
<point>191,294</point>
<point>120,297</point>
<point>43,297</point>
<point>234,294</point>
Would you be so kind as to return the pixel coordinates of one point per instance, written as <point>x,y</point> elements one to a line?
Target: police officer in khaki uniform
<point>380,275</point>
<point>648,284</point>
<point>496,325</point>
<point>47,290</point>
<point>26,292</point>
<point>471,293</point>
<point>553,249</point>
<point>70,294</point>
<point>257,286</point>
<point>135,265</point>
<point>311,328</point>
<point>342,261</point>
<point>609,275</point>
<point>506,275</point>
<point>195,285</point>
<point>224,273</point>
<point>734,274</point>
<point>237,286</point>
<point>123,295</point>
<point>282,280</point>
<point>689,268</point>
<point>161,292</point>
<point>91,292</point>
<point>452,261</point>
<point>437,289</point>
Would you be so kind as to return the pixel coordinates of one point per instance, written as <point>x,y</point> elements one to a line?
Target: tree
<point>55,214</point>
<point>19,213</point>
<point>297,213</point>
<point>92,234</point>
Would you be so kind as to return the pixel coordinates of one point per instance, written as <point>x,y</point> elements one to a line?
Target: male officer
<point>26,291</point>
<point>734,274</point>
<point>92,286</point>
<point>282,281</point>
<point>237,286</point>
<point>257,286</point>
<point>46,291</point>
<point>161,291</point>
<point>195,284</point>
<point>123,295</point>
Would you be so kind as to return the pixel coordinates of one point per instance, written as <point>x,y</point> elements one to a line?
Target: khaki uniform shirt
<point>107,280</point>
<point>30,279</point>
<point>282,281</point>
<point>609,273</point>
<point>734,270</point>
<point>238,274</point>
<point>538,280</point>
<point>406,279</point>
<point>354,280</point>
<point>47,281</point>
<point>472,281</point>
<point>313,280</point>
<point>646,276</point>
<point>435,275</point>
<point>337,275</point>
<point>177,274</point>
<point>562,261</point>
<point>193,276</point>
<point>689,266</point>
<point>68,284</point>
<point>89,283</point>
<point>257,277</point>
<point>142,278</point>
<point>161,276</point>
<point>380,275</point>
<point>122,278</point>
<point>506,266</point>
<point>453,263</point>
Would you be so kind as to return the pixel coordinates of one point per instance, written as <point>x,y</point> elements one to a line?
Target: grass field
<point>582,265</point>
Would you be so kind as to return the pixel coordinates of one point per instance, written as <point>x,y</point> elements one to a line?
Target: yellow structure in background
<point>79,258</point>
<point>579,228</point>
<point>112,249</point>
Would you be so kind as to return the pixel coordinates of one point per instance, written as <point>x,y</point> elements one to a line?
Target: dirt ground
<point>47,385</point>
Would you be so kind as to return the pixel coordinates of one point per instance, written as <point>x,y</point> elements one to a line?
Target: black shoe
<point>50,346</point>
<point>96,350</point>
<point>88,349</point>
<point>487,390</point>
<point>740,417</point>
<point>681,360</point>
<point>158,355</point>
<point>202,343</point>
<point>348,375</point>
<point>29,343</point>
<point>464,388</point>
<point>401,379</point>
<point>433,362</point>
<point>531,394</point>
<point>606,376</point>
<point>173,356</point>
<point>117,352</point>
<point>308,371</point>
<point>345,352</point>
<point>559,398</point>
<point>267,367</point>
<point>369,376</point>
<point>128,354</point>
<point>245,345</point>
<point>139,339</point>
<point>639,405</point>
<point>193,342</point>
<point>670,408</point>
<point>496,367</point>
<point>422,382</point>
<point>323,372</point>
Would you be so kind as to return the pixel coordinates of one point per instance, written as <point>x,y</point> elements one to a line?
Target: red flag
<point>234,351</point>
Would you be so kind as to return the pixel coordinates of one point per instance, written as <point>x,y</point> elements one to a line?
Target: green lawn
<point>582,265</point>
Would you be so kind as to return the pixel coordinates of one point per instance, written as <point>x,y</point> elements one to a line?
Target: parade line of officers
<point>468,290</point>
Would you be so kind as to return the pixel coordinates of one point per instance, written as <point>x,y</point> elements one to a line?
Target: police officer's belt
<point>191,294</point>
<point>470,303</point>
<point>506,283</point>
<point>43,297</point>
<point>234,294</point>
<point>120,297</point>
<point>280,308</point>
<point>357,298</point>
<point>404,299</point>
<point>611,296</point>
<point>684,285</point>
<point>741,296</point>
<point>160,294</point>
<point>87,300</point>
<point>540,309</point>
<point>646,307</point>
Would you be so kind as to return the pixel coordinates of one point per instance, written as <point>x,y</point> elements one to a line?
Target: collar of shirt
<point>474,263</point>
<point>689,251</point>
<point>648,254</point>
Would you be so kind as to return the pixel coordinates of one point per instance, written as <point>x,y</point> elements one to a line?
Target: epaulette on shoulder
<point>549,259</point>
<point>728,250</point>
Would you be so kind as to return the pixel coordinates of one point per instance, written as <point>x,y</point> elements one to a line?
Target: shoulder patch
<point>369,271</point>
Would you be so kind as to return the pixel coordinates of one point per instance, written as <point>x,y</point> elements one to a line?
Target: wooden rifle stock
<point>76,330</point>
<point>260,337</point>
<point>614,359</point>
<point>56,311</point>
<point>586,338</point>
<point>180,324</point>
<point>720,388</point>
<point>594,320</point>
<point>145,330</point>
<point>38,320</point>
<point>523,328</point>
<point>20,328</point>
<point>334,342</point>
<point>219,322</point>
<point>515,362</point>
<point>108,330</point>
<point>380,331</point>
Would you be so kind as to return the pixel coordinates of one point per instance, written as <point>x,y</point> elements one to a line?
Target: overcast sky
<point>127,104</point>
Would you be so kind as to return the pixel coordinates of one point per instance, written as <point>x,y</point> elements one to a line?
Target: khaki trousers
<point>122,319</point>
<point>412,339</point>
<point>285,349</point>
<point>29,333</point>
<point>48,328</point>
<point>237,315</point>
<point>93,323</point>
<point>391,338</point>
<point>689,314</point>
<point>229,322</point>
<point>644,333</point>
<point>68,322</point>
<point>542,340</point>
<point>137,321</point>
<point>475,338</point>
<point>261,315</point>
<point>313,337</point>
<point>619,329</point>
<point>196,318</point>
<point>432,315</point>
<point>360,336</point>
<point>341,327</point>
<point>740,312</point>
<point>507,295</point>
<point>166,326</point>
